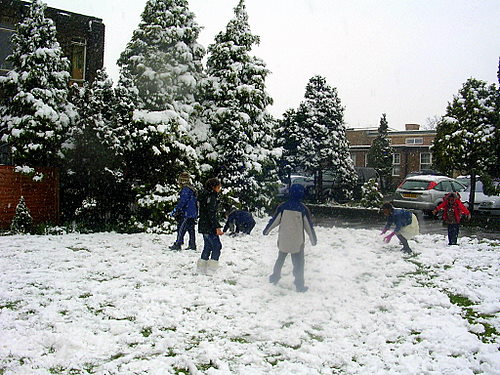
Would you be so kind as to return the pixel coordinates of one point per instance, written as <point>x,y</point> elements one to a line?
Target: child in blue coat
<point>239,221</point>
<point>406,225</point>
<point>186,212</point>
<point>293,218</point>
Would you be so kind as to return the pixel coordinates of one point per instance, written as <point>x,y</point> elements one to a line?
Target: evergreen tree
<point>371,195</point>
<point>93,169</point>
<point>289,135</point>
<point>161,70</point>
<point>22,221</point>
<point>242,131</point>
<point>163,57</point>
<point>467,138</point>
<point>380,153</point>
<point>324,146</point>
<point>34,111</point>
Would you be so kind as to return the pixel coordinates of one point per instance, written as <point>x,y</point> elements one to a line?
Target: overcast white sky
<point>406,58</point>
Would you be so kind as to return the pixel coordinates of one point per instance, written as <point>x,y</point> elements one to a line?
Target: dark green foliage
<point>94,189</point>
<point>380,153</point>
<point>371,195</point>
<point>22,221</point>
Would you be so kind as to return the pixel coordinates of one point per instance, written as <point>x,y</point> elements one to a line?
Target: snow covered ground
<point>124,304</point>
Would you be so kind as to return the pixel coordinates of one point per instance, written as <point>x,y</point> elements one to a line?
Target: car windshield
<point>415,185</point>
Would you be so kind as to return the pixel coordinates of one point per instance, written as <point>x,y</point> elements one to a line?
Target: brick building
<point>81,38</point>
<point>411,148</point>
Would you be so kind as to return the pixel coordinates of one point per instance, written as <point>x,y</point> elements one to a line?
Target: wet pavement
<point>427,225</point>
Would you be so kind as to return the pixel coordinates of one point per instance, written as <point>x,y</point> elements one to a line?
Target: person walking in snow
<point>453,209</point>
<point>239,221</point>
<point>186,212</point>
<point>406,225</point>
<point>293,218</point>
<point>209,227</point>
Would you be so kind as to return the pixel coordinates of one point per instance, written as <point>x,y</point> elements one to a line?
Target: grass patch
<point>241,340</point>
<point>489,333</point>
<point>10,305</point>
<point>146,332</point>
<point>315,337</point>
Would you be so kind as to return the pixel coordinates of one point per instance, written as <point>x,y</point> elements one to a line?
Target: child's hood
<point>296,192</point>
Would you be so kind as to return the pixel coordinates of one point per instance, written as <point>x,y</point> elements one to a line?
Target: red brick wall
<point>42,197</point>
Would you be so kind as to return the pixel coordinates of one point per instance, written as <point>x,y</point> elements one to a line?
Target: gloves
<point>384,230</point>
<point>388,238</point>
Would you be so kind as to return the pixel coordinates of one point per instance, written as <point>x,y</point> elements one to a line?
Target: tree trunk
<point>472,191</point>
<point>319,185</point>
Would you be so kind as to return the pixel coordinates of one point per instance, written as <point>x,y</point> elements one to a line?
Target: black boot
<point>175,247</point>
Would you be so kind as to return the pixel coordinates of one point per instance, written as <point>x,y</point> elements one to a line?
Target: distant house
<point>411,148</point>
<point>81,38</point>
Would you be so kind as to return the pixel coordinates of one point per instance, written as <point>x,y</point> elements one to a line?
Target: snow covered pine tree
<point>22,221</point>
<point>324,145</point>
<point>241,129</point>
<point>164,62</point>
<point>34,111</point>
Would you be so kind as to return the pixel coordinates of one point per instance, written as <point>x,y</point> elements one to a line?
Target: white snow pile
<point>124,304</point>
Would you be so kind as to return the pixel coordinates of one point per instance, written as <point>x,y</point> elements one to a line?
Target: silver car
<point>425,192</point>
<point>486,204</point>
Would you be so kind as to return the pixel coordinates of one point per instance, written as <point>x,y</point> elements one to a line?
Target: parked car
<point>485,204</point>
<point>425,192</point>
<point>329,184</point>
<point>424,172</point>
<point>295,179</point>
<point>331,189</point>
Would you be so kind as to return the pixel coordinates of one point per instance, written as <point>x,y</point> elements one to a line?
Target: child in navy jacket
<point>186,212</point>
<point>293,218</point>
<point>239,221</point>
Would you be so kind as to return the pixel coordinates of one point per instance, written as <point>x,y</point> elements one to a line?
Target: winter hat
<point>296,192</point>
<point>184,178</point>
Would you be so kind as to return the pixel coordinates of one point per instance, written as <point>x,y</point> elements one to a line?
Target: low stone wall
<point>360,213</point>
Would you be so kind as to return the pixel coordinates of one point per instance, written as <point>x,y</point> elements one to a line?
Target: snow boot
<point>406,250</point>
<point>273,279</point>
<point>302,289</point>
<point>191,247</point>
<point>201,266</point>
<point>212,266</point>
<point>175,247</point>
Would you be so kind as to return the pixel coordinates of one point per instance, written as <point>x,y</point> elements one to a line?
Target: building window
<point>5,49</point>
<point>77,59</point>
<point>353,158</point>
<point>396,164</point>
<point>414,141</point>
<point>425,160</point>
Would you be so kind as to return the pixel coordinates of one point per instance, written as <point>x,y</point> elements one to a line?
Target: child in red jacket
<point>453,209</point>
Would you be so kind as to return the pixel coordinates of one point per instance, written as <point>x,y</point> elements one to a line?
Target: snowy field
<point>124,304</point>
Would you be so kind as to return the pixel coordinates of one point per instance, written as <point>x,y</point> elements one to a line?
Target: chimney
<point>412,126</point>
